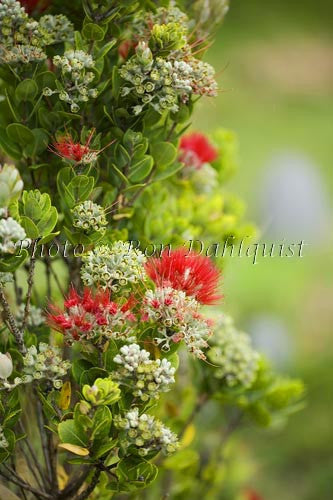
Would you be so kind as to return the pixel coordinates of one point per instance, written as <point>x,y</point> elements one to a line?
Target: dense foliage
<point>99,182</point>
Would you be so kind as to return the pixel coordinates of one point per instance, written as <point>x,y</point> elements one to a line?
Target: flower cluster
<point>58,28</point>
<point>23,39</point>
<point>146,377</point>
<point>147,434</point>
<point>73,151</point>
<point>113,266</point>
<point>35,316</point>
<point>164,82</point>
<point>11,232</point>
<point>190,272</point>
<point>42,363</point>
<point>103,392</point>
<point>177,318</point>
<point>11,185</point>
<point>196,150</point>
<point>233,355</point>
<point>90,317</point>
<point>89,216</point>
<point>75,77</point>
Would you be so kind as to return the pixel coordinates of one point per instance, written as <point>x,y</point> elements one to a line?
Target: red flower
<point>192,273</point>
<point>68,149</point>
<point>195,150</point>
<point>34,5</point>
<point>252,495</point>
<point>83,315</point>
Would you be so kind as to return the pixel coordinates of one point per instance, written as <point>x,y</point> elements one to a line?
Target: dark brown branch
<point>10,320</point>
<point>94,481</point>
<point>31,273</point>
<point>26,486</point>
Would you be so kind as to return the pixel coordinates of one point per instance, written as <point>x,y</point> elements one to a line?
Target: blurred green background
<point>275,63</point>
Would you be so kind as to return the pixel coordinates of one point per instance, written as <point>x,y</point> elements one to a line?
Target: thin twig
<point>31,468</point>
<point>18,334</point>
<point>33,456</point>
<point>30,285</point>
<point>26,486</point>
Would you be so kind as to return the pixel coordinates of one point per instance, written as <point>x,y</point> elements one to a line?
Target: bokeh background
<point>276,74</point>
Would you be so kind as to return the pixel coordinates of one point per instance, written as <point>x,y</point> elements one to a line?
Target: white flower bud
<point>6,365</point>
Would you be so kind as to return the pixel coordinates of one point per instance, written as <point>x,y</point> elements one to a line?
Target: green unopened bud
<point>103,392</point>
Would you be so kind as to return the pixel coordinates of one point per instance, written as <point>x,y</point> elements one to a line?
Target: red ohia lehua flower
<point>195,150</point>
<point>34,5</point>
<point>68,149</point>
<point>90,315</point>
<point>192,273</point>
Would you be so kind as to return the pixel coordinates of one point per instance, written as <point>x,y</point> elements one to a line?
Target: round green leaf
<point>26,90</point>
<point>20,134</point>
<point>94,32</point>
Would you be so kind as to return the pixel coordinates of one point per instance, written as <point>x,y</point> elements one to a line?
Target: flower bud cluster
<point>75,78</point>
<point>3,441</point>
<point>146,434</point>
<point>177,318</point>
<point>146,377</point>
<point>11,185</point>
<point>89,216</point>
<point>104,391</point>
<point>35,316</point>
<point>22,38</point>
<point>163,72</point>
<point>233,354</point>
<point>11,232</point>
<point>58,28</point>
<point>113,266</point>
<point>44,363</point>
<point>92,316</point>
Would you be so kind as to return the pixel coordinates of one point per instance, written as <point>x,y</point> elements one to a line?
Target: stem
<point>43,437</point>
<point>74,485</point>
<point>31,273</point>
<point>18,334</point>
<point>91,487</point>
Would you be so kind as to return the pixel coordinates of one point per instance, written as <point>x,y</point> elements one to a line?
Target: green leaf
<point>10,264</point>
<point>9,147</point>
<point>164,153</point>
<point>26,90</point>
<point>48,222</point>
<point>94,32</point>
<point>20,134</point>
<point>102,423</point>
<point>105,448</point>
<point>69,433</point>
<point>168,172</point>
<point>30,227</point>
<point>105,49</point>
<point>78,367</point>
<point>135,474</point>
<point>40,143</point>
<point>181,460</point>
<point>89,376</point>
<point>140,170</point>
